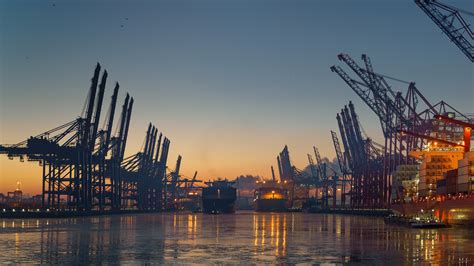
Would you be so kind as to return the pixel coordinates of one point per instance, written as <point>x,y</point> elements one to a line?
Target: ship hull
<point>190,204</point>
<point>218,200</point>
<point>451,211</point>
<point>270,205</point>
<point>215,206</point>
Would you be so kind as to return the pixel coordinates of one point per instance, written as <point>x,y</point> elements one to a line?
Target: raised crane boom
<point>319,163</point>
<point>314,173</point>
<point>110,119</point>
<point>339,155</point>
<point>273,175</point>
<point>450,21</point>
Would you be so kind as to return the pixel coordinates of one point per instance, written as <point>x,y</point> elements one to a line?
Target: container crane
<point>467,128</point>
<point>342,166</point>
<point>322,170</point>
<point>78,175</point>
<point>312,168</point>
<point>84,169</point>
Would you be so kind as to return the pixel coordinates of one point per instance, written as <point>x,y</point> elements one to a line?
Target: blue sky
<point>230,82</point>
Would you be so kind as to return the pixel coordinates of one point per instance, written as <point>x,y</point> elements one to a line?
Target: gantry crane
<point>78,173</point>
<point>395,112</point>
<point>322,171</point>
<point>312,168</point>
<point>467,129</point>
<point>174,180</point>
<point>296,180</point>
<point>84,167</point>
<point>145,173</point>
<point>342,166</point>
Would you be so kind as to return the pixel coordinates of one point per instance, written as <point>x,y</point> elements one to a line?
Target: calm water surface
<point>243,238</point>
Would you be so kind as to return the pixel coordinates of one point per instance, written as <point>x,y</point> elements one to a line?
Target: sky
<point>230,82</point>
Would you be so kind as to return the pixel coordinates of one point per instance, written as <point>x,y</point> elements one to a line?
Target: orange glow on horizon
<point>226,152</point>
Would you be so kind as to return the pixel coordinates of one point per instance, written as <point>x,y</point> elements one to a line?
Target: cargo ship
<point>270,199</point>
<point>442,184</point>
<point>191,202</point>
<point>219,197</point>
<point>455,210</point>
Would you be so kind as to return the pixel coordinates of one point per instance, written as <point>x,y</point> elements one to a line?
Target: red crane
<point>467,128</point>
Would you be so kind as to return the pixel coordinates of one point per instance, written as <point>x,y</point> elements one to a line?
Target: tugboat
<point>270,196</point>
<point>219,197</point>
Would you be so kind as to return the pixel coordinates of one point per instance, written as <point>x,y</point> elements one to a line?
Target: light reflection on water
<point>243,237</point>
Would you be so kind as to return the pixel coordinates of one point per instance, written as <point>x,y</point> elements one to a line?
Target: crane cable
<point>388,77</point>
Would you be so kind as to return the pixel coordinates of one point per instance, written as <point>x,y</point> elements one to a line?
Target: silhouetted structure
<point>295,180</point>
<point>84,167</point>
<point>369,164</point>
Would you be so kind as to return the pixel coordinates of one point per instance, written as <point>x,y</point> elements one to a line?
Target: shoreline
<point>74,214</point>
<point>66,214</point>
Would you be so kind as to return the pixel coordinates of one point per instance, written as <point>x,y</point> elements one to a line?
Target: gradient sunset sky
<point>230,82</point>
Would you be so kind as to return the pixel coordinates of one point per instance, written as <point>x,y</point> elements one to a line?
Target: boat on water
<point>397,219</point>
<point>441,182</point>
<point>428,224</point>
<point>219,197</point>
<point>421,220</point>
<point>457,210</point>
<point>192,202</point>
<point>270,199</point>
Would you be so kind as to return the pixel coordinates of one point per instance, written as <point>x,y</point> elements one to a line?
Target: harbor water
<point>243,238</point>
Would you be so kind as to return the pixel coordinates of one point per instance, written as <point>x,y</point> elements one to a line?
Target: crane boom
<point>337,148</point>
<point>90,105</point>
<point>450,21</point>
<point>110,119</point>
<point>311,166</point>
<point>98,109</point>
<point>318,160</point>
<point>194,178</point>
<point>127,125</point>
<point>366,95</point>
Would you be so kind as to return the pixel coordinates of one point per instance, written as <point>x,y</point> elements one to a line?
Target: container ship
<point>443,184</point>
<point>191,202</point>
<point>271,199</point>
<point>219,197</point>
